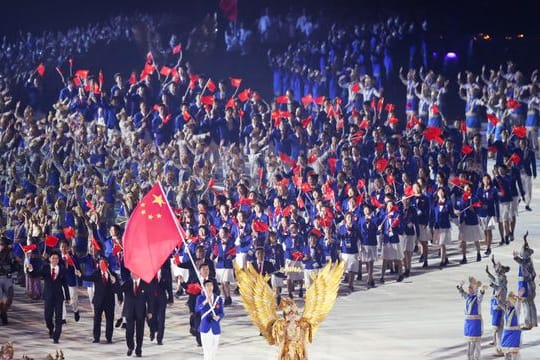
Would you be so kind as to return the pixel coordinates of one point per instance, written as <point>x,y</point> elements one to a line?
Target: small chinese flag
<point>364,124</point>
<point>283,99</point>
<point>244,95</point>
<point>117,248</point>
<point>165,71</point>
<point>512,104</point>
<point>515,158</point>
<point>177,49</point>
<point>306,187</point>
<point>381,164</point>
<point>28,248</point>
<point>207,100</point>
<point>260,226</point>
<point>41,69</point>
<point>520,131</point>
<point>297,255</point>
<point>494,120</point>
<point>211,86</point>
<point>355,87</point>
<point>133,78</point>
<point>300,202</point>
<point>306,100</point>
<point>230,104</point>
<point>82,74</point>
<point>375,202</point>
<point>95,244</point>
<point>69,260</point>
<point>69,232</point>
<point>235,82</point>
<point>332,164</point>
<point>305,122</point>
<point>103,266</point>
<point>477,204</point>
<point>51,241</point>
<point>466,149</point>
<point>319,100</point>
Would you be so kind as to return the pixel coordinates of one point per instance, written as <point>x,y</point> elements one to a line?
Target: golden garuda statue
<point>292,331</point>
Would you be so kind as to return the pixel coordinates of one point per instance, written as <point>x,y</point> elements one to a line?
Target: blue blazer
<point>207,320</point>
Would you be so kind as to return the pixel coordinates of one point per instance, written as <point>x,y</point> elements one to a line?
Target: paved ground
<point>421,318</point>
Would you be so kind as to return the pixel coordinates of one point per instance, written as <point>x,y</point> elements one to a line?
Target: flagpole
<point>187,248</point>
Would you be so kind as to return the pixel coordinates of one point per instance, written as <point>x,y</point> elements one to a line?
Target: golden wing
<point>322,294</point>
<point>258,298</point>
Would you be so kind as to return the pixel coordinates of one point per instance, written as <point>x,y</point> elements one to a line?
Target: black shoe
<point>421,258</point>
<point>501,243</point>
<point>478,257</point>
<point>507,239</point>
<point>124,326</point>
<point>463,261</point>
<point>118,323</point>
<point>160,342</point>
<point>180,292</point>
<point>291,295</point>
<point>109,341</point>
<point>511,237</point>
<point>76,316</point>
<point>488,252</point>
<point>51,333</point>
<point>425,265</point>
<point>96,341</point>
<point>152,336</point>
<point>400,278</point>
<point>442,264</point>
<point>301,293</point>
<point>381,280</point>
<point>228,301</point>
<point>64,322</point>
<point>359,277</point>
<point>199,344</point>
<point>351,288</point>
<point>528,208</point>
<point>371,284</point>
<point>138,355</point>
<point>237,291</point>
<point>4,318</point>
<point>415,250</point>
<point>55,341</point>
<point>278,300</point>
<point>129,352</point>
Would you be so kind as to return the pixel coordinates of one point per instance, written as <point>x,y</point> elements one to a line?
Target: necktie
<point>53,274</point>
<point>260,268</point>
<point>104,276</point>
<point>136,288</point>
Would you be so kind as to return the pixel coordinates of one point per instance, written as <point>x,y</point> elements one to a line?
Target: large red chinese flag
<point>151,234</point>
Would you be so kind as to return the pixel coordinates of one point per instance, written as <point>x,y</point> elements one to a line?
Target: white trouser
<point>74,295</point>
<point>90,291</point>
<point>527,187</point>
<point>210,343</point>
<point>473,351</point>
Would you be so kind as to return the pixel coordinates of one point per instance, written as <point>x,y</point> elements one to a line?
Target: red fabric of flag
<point>207,100</point>
<point>194,289</point>
<point>300,202</point>
<point>515,158</point>
<point>69,260</point>
<point>177,49</point>
<point>287,159</point>
<point>466,149</point>
<point>381,164</point>
<point>513,104</point>
<point>305,122</point>
<point>28,248</point>
<point>355,87</point>
<point>319,100</point>
<point>244,95</point>
<point>211,86</point>
<point>235,82</point>
<point>151,234</point>
<point>520,131</point>
<point>297,255</point>
<point>494,120</point>
<point>376,203</point>
<point>41,69</point>
<point>165,71</point>
<point>51,241</point>
<point>306,100</point>
<point>69,232</point>
<point>306,187</point>
<point>332,162</point>
<point>283,99</point>
<point>95,244</point>
<point>229,9</point>
<point>82,74</point>
<point>477,204</point>
<point>117,248</point>
<point>133,78</point>
<point>260,226</point>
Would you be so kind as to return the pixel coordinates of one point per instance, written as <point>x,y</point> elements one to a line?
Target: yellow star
<point>143,204</point>
<point>158,199</point>
<point>143,212</point>
<point>158,216</point>
<point>150,217</point>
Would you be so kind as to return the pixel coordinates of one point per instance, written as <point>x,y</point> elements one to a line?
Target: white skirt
<point>442,236</point>
<point>407,242</point>
<point>424,235</point>
<point>297,273</point>
<point>224,275</point>
<point>470,233</point>
<point>392,251</point>
<point>351,262</point>
<point>178,271</point>
<point>277,282</point>
<point>368,253</point>
<point>241,259</point>
<point>307,276</point>
<point>505,209</point>
<point>487,223</point>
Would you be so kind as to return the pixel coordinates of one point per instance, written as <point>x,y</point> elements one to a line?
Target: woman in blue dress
<point>473,328</point>
<point>511,336</point>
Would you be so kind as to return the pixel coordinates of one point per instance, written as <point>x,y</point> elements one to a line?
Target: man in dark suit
<point>55,292</point>
<point>263,267</point>
<point>106,284</point>
<point>138,301</point>
<point>161,295</point>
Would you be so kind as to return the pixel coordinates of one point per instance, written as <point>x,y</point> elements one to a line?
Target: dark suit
<point>135,310</point>
<point>103,302</point>
<point>266,269</point>
<point>54,293</point>
<point>160,295</point>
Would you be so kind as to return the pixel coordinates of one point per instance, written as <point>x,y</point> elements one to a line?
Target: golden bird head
<point>288,306</point>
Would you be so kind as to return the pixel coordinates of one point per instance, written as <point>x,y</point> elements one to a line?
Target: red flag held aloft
<point>69,232</point>
<point>466,149</point>
<point>520,131</point>
<point>151,234</point>
<point>494,120</point>
<point>69,260</point>
<point>306,100</point>
<point>332,162</point>
<point>177,49</point>
<point>319,100</point>
<point>117,248</point>
<point>513,104</point>
<point>355,87</point>
<point>515,158</point>
<point>381,164</point>
<point>28,248</point>
<point>283,99</point>
<point>95,244</point>
<point>235,82</point>
<point>260,226</point>
<point>244,95</point>
<point>210,85</point>
<point>51,241</point>
<point>41,69</point>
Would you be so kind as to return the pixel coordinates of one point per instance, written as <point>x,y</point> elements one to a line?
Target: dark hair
<point>208,281</point>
